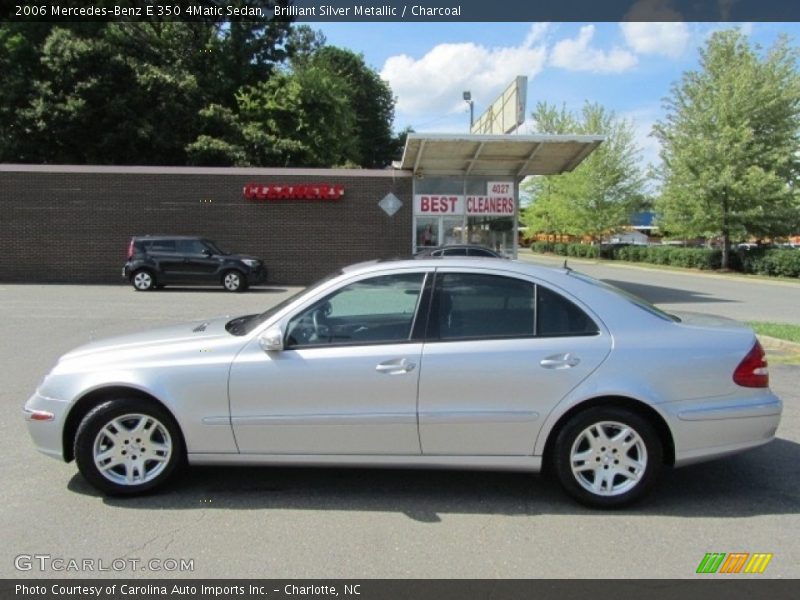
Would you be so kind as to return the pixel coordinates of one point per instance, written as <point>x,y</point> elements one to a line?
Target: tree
<point>729,143</point>
<point>326,108</point>
<point>596,198</point>
<point>126,93</point>
<point>299,117</point>
<point>371,100</point>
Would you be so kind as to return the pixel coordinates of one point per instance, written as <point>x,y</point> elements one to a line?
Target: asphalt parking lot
<point>302,523</point>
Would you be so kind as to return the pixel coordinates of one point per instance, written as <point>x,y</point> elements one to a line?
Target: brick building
<point>72,224</point>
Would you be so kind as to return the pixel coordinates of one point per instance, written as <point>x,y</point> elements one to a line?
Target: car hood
<point>193,331</point>
<point>241,257</point>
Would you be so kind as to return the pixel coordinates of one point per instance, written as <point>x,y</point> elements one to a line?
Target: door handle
<point>395,366</point>
<point>560,361</point>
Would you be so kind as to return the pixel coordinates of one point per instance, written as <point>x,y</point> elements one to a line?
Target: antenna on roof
<point>567,268</point>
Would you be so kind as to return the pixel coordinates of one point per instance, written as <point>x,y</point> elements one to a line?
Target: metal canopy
<point>495,155</point>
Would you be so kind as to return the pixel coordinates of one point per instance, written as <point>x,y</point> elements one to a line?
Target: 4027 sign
<point>330,192</point>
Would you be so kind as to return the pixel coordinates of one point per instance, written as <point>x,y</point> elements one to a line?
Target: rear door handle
<point>396,366</point>
<point>560,361</point>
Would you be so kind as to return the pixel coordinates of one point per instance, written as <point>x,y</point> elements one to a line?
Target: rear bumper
<point>704,430</point>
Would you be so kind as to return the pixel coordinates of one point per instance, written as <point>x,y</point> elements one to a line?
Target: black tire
<point>234,281</point>
<point>612,468</point>
<point>128,431</point>
<point>143,280</point>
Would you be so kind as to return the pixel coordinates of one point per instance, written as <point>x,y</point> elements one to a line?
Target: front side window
<point>371,311</point>
<point>190,247</point>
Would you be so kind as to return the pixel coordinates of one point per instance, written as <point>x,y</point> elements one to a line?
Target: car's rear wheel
<point>234,281</point>
<point>607,457</point>
<point>143,280</point>
<point>128,446</point>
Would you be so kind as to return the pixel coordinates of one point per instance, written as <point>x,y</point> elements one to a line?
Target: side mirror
<point>271,340</point>
<point>206,252</point>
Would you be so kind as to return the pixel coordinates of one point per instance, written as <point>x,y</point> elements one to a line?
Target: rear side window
<point>158,245</point>
<point>454,252</point>
<point>469,306</point>
<point>557,316</point>
<point>476,306</point>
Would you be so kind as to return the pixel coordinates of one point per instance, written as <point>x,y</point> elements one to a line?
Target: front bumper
<point>256,276</point>
<point>47,433</point>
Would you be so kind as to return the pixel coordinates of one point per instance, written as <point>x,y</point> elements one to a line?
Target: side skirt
<point>490,463</point>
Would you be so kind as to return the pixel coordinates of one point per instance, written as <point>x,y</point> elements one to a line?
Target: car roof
<point>167,237</point>
<point>476,246</point>
<point>492,263</point>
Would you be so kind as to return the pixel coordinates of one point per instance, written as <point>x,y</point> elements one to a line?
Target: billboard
<point>506,113</point>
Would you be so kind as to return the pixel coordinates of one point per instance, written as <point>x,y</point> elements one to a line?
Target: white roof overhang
<point>505,156</point>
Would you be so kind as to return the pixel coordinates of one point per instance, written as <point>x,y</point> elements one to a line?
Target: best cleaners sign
<point>499,202</point>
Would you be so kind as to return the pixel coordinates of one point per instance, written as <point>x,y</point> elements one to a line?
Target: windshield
<point>246,324</point>
<point>632,298</point>
<point>214,248</point>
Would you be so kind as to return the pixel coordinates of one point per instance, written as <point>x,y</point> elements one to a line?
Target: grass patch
<point>782,331</point>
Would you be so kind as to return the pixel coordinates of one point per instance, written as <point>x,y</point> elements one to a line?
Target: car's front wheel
<point>128,446</point>
<point>234,281</point>
<point>608,457</point>
<point>143,281</point>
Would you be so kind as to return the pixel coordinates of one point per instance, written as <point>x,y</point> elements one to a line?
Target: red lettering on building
<point>438,204</point>
<point>302,191</point>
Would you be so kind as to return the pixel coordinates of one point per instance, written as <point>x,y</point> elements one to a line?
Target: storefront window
<point>427,232</point>
<point>448,210</point>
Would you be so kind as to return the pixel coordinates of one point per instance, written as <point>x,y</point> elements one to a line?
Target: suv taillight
<point>130,250</point>
<point>752,371</point>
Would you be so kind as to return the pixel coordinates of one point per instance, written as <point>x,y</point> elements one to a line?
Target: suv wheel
<point>234,281</point>
<point>143,281</point>
<point>607,457</point>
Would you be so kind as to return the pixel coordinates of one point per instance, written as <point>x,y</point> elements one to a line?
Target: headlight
<point>251,263</point>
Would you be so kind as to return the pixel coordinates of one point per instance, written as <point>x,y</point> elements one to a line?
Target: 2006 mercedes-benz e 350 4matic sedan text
<point>470,362</point>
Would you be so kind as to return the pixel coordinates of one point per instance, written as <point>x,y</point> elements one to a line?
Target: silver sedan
<point>467,363</point>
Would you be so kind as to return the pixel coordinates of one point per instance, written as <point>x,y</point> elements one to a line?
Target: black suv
<point>158,260</point>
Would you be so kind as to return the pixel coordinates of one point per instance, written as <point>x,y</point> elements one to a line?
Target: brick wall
<point>73,224</point>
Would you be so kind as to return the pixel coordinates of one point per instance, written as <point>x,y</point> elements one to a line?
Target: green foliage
<point>772,262</point>
<point>370,99</point>
<point>199,92</point>
<point>729,144</point>
<point>306,107</point>
<point>599,195</point>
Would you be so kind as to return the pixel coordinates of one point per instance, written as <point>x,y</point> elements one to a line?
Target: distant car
<point>459,250</point>
<point>155,261</point>
<point>493,364</point>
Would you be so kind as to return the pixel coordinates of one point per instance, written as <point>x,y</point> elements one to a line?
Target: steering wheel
<point>319,317</point>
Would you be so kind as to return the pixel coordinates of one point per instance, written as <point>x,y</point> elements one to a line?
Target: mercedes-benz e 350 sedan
<point>478,363</point>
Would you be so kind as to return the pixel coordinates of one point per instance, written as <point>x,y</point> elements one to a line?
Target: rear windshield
<point>632,298</point>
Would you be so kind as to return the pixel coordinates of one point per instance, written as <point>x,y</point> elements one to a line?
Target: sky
<point>627,67</point>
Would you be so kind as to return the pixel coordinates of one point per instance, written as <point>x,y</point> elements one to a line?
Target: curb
<point>771,343</point>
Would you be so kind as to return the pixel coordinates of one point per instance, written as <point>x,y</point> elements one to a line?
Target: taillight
<point>130,250</point>
<point>752,371</point>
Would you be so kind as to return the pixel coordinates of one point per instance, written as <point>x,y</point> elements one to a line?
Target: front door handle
<point>560,361</point>
<point>397,366</point>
